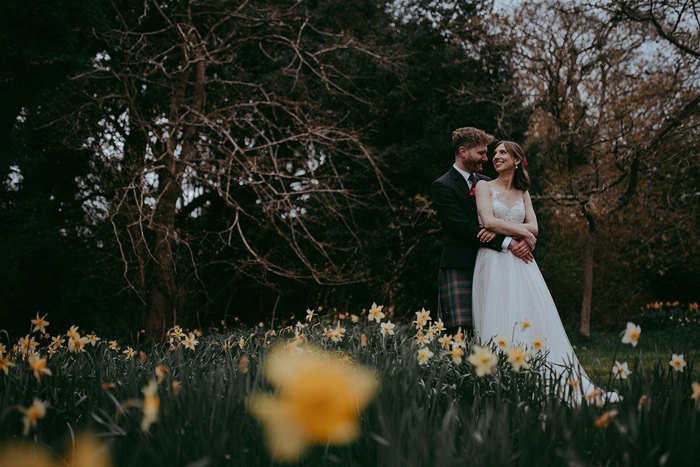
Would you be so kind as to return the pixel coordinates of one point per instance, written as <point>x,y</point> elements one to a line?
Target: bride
<point>510,298</point>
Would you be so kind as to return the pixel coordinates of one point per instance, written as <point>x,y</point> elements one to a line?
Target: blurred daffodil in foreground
<point>86,451</point>
<point>318,400</point>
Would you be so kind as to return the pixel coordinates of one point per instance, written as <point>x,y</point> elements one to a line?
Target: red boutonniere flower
<point>473,192</point>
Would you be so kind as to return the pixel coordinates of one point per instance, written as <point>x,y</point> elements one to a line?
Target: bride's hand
<point>486,235</point>
<point>530,239</point>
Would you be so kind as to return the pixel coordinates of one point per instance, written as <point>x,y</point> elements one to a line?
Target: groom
<point>453,198</point>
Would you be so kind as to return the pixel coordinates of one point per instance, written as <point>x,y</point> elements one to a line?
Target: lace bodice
<point>514,214</point>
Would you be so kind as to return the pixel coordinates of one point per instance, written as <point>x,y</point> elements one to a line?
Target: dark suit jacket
<point>456,209</point>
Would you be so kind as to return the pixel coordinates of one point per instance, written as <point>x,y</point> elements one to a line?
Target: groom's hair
<point>469,137</point>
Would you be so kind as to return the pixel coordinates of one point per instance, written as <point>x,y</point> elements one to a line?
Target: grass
<point>595,353</point>
<point>440,413</point>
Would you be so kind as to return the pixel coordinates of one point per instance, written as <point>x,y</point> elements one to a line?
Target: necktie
<point>472,181</point>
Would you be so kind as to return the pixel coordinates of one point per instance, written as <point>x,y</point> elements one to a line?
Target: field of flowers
<point>335,390</point>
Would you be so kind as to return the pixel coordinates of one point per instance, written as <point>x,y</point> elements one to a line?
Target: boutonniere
<point>473,192</point>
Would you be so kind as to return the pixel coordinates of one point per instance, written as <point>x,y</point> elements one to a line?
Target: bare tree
<point>239,105</point>
<point>604,100</point>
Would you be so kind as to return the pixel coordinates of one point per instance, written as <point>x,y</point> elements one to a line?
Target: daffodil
<point>38,366</point>
<point>620,370</point>
<point>27,344</point>
<point>631,334</point>
<point>605,419</point>
<point>457,352</point>
<point>696,394</point>
<point>92,339</point>
<point>72,332</point>
<point>424,354</point>
<point>354,318</point>
<point>33,414</point>
<point>422,339</point>
<point>129,353</point>
<point>595,397</point>
<point>40,324</point>
<point>387,328</point>
<point>150,405</point>
<point>423,314</point>
<point>501,342</point>
<point>309,315</point>
<point>445,342</point>
<point>57,342</point>
<point>319,398</point>
<point>76,344</point>
<point>113,346</point>
<point>482,360</point>
<point>516,357</point>
<point>524,325</point>
<point>190,342</point>
<point>375,313</point>
<point>677,362</point>
<point>5,364</point>
<point>439,326</point>
<point>539,343</point>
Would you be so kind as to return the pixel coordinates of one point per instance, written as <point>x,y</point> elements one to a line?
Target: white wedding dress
<point>507,292</point>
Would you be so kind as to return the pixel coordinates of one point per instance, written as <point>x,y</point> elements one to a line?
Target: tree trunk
<point>585,328</point>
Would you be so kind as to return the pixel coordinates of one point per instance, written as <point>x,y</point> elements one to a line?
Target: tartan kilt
<point>455,297</point>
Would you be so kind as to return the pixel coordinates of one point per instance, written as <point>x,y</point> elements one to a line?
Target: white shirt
<point>466,175</point>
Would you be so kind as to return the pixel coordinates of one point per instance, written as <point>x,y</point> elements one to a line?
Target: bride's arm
<point>530,217</point>
<point>491,222</point>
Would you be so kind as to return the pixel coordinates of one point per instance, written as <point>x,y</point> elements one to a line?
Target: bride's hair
<point>521,179</point>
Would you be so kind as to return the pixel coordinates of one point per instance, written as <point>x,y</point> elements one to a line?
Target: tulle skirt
<point>510,299</point>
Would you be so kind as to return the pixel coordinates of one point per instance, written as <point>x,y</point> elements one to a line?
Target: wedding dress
<point>507,293</point>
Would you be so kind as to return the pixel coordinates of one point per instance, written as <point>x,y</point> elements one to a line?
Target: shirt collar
<point>464,173</point>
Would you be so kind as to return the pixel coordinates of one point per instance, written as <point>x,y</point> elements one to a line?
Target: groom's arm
<point>454,219</point>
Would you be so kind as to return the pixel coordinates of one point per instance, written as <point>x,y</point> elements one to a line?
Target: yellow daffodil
<point>40,324</point>
<point>677,362</point>
<point>354,318</point>
<point>387,328</point>
<point>375,313</point>
<point>150,405</point>
<point>595,397</point>
<point>38,366</point>
<point>113,346</point>
<point>482,360</point>
<point>424,354</point>
<point>5,364</point>
<point>27,344</point>
<point>72,332</point>
<point>620,370</point>
<point>445,342</point>
<point>631,334</point>
<point>129,353</point>
<point>696,394</point>
<point>33,414</point>
<point>57,342</point>
<point>76,344</point>
<point>319,398</point>
<point>605,419</point>
<point>457,352</point>
<point>516,357</point>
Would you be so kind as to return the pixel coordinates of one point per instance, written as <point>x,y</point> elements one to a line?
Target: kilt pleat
<point>455,297</point>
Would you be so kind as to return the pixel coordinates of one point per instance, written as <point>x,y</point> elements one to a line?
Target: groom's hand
<point>521,249</point>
